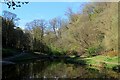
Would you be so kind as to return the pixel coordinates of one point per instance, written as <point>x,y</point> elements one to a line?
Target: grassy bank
<point>100,61</point>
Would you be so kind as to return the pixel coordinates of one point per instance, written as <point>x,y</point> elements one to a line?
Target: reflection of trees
<point>32,69</point>
<point>25,70</point>
<point>6,72</point>
<point>40,69</point>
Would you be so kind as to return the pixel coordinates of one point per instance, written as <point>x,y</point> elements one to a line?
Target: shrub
<point>92,51</point>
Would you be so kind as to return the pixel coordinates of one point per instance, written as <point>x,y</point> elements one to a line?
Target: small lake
<point>42,69</point>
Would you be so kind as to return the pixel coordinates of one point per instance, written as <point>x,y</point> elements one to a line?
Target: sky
<point>43,10</point>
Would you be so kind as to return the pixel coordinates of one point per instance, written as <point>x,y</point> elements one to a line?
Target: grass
<point>96,61</point>
<point>109,62</point>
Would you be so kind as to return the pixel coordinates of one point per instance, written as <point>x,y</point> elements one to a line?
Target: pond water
<point>42,69</point>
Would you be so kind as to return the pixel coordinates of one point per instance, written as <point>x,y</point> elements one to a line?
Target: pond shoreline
<point>56,64</point>
<point>67,59</point>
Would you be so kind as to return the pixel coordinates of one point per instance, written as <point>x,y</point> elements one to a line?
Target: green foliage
<point>82,31</point>
<point>91,31</point>
<point>108,62</point>
<point>56,51</point>
<point>36,30</point>
<point>12,36</point>
<point>92,51</point>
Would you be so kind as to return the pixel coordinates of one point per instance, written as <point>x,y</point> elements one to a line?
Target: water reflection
<point>54,69</point>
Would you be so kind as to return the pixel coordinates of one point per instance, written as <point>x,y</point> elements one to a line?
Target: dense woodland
<point>90,32</point>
